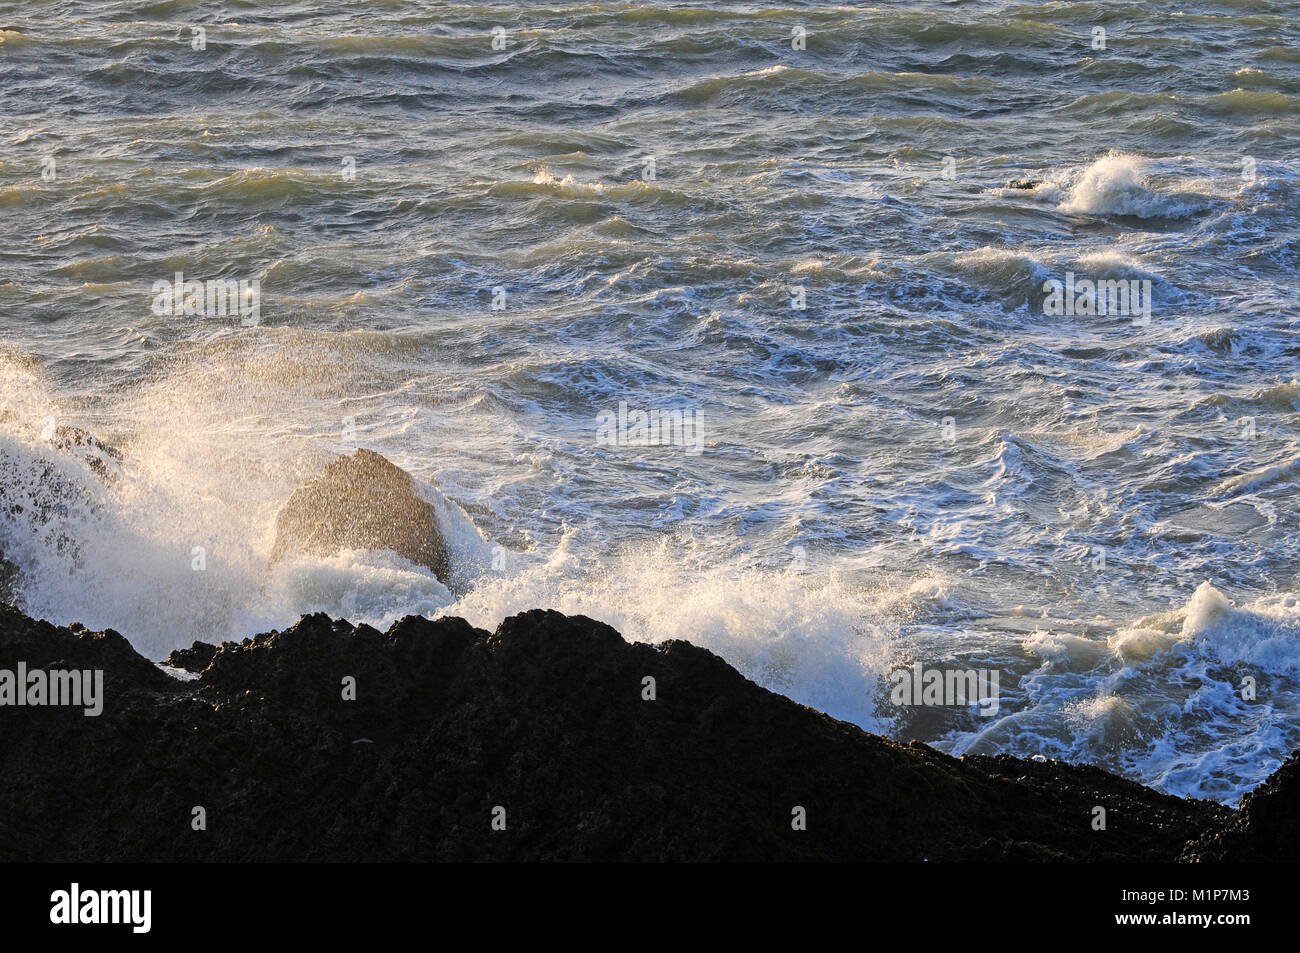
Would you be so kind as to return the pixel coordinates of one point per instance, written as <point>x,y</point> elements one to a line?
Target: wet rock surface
<point>360,502</point>
<point>36,492</point>
<point>1266,828</point>
<point>545,718</point>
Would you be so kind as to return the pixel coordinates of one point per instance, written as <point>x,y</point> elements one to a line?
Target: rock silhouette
<point>547,719</point>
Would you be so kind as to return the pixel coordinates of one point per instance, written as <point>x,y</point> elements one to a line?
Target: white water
<point>919,465</point>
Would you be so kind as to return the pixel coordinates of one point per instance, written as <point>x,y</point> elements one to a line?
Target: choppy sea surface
<point>795,224</point>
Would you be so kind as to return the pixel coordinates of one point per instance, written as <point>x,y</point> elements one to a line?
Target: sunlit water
<point>919,464</point>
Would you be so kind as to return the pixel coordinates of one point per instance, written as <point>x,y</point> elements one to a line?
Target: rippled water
<point>919,464</point>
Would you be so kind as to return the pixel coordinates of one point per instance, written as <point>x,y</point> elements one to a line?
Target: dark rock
<point>9,580</point>
<point>1024,183</point>
<point>102,459</point>
<point>194,659</point>
<point>37,490</point>
<point>544,717</point>
<point>42,645</point>
<point>360,502</point>
<point>33,494</point>
<point>1265,829</point>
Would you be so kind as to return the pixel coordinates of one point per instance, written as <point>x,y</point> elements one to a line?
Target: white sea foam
<point>1118,184</point>
<point>1167,698</point>
<point>956,463</point>
<point>812,636</point>
<point>123,555</point>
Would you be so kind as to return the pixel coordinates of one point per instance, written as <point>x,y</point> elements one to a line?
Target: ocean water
<point>793,224</point>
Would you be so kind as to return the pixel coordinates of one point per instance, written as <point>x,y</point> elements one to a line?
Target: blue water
<point>465,256</point>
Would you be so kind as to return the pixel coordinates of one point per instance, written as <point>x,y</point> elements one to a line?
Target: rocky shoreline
<point>539,741</point>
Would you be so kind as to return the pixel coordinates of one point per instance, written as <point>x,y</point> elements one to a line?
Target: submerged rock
<point>37,490</point>
<point>361,502</point>
<point>329,741</point>
<point>9,580</point>
<point>102,458</point>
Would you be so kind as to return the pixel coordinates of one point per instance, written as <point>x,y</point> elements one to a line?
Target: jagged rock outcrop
<point>546,718</point>
<point>360,502</point>
<point>1266,827</point>
<point>37,490</point>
